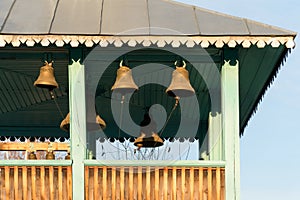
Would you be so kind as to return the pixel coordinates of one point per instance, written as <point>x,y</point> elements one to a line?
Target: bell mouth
<point>180,93</point>
<point>148,142</point>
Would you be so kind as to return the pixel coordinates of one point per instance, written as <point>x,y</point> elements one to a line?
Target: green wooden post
<point>230,124</point>
<point>215,138</point>
<point>77,127</point>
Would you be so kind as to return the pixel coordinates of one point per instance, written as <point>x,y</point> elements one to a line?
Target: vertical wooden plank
<point>86,182</point>
<point>7,184</point>
<point>200,183</point>
<point>183,183</point>
<point>69,182</point>
<point>42,177</point>
<point>60,183</point>
<point>77,126</point>
<point>230,113</point>
<point>33,183</point>
<point>209,183</point>
<point>174,184</point>
<point>165,183</point>
<point>156,187</point>
<point>51,182</point>
<point>130,184</point>
<point>140,183</point>
<point>148,185</point>
<point>16,182</point>
<point>104,182</point>
<point>96,188</point>
<point>218,183</point>
<point>122,182</point>
<point>113,183</point>
<point>24,181</point>
<point>191,183</point>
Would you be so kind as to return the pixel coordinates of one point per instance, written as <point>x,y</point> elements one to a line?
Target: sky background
<point>270,155</point>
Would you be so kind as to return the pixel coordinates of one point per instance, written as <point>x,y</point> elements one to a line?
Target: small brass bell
<point>124,82</point>
<point>148,137</point>
<point>50,155</point>
<point>180,85</point>
<point>68,156</point>
<point>32,156</point>
<point>46,77</point>
<point>65,123</point>
<point>101,122</point>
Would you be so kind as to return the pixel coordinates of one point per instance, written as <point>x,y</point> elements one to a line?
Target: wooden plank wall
<point>36,182</point>
<point>154,183</point>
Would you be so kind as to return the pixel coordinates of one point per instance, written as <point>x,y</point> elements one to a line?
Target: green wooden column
<point>230,124</point>
<point>77,127</point>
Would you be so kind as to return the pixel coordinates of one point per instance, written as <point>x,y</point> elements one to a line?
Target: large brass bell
<point>180,85</point>
<point>65,123</point>
<point>148,137</point>
<point>46,77</point>
<point>124,82</point>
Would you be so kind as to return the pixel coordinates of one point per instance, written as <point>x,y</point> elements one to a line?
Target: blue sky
<point>270,157</point>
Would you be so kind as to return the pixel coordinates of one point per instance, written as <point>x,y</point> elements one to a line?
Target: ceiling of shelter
<point>34,31</point>
<point>27,110</point>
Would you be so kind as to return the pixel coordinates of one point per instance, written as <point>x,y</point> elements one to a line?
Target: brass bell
<point>68,156</point>
<point>124,82</point>
<point>180,85</point>
<point>32,156</point>
<point>101,122</point>
<point>50,155</point>
<point>148,137</point>
<point>46,77</point>
<point>65,123</point>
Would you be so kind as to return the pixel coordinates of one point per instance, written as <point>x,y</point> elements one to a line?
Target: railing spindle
<point>60,183</point>
<point>148,184</point>
<point>209,183</point>
<point>96,183</point>
<point>24,181</point>
<point>130,184</point>
<point>183,183</point>
<point>191,182</point>
<point>156,183</point>
<point>113,183</point>
<point>200,183</point>
<point>51,182</point>
<point>174,186</point>
<point>218,183</point>
<point>122,182</point>
<point>42,177</point>
<point>104,184</point>
<point>165,183</point>
<point>140,183</point>
<point>33,183</point>
<point>6,179</point>
<point>16,182</point>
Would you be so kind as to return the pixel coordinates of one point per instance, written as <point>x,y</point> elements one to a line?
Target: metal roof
<point>123,17</point>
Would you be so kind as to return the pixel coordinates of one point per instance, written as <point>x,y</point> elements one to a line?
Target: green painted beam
<point>77,127</point>
<point>35,162</point>
<point>230,127</point>
<point>155,163</point>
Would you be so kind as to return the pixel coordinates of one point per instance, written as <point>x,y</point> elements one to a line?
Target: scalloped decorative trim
<point>146,41</point>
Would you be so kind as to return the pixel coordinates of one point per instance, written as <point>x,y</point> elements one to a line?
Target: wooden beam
<point>230,124</point>
<point>77,127</point>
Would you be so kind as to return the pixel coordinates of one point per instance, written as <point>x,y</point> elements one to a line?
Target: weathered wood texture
<point>35,182</point>
<point>149,183</point>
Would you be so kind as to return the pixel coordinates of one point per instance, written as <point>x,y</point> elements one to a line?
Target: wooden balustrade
<point>36,182</point>
<point>107,182</point>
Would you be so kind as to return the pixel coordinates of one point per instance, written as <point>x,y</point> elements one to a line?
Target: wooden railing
<point>35,182</point>
<point>145,182</point>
